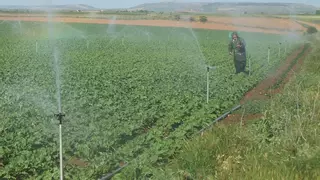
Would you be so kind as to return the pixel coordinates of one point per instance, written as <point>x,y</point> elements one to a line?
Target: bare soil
<point>264,89</point>
<point>260,22</point>
<point>77,162</point>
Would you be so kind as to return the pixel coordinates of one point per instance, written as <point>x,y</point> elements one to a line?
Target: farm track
<point>264,90</point>
<point>159,23</point>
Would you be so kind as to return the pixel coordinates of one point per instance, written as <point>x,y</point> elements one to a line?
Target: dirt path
<point>309,23</point>
<point>264,91</point>
<point>260,22</point>
<point>162,23</point>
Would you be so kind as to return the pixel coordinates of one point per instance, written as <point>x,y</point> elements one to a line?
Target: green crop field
<point>129,93</point>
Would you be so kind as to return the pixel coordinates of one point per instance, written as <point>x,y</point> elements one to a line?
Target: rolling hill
<point>220,7</point>
<point>82,7</point>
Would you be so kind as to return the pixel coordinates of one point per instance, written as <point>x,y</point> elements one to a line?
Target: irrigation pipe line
<point>220,118</point>
<point>110,175</point>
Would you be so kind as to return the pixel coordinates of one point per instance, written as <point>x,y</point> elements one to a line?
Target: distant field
<point>310,18</point>
<point>249,23</point>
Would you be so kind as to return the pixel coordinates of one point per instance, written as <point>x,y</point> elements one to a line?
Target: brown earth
<point>260,22</point>
<point>77,162</point>
<point>264,89</point>
<point>309,23</point>
<point>259,92</point>
<point>168,23</point>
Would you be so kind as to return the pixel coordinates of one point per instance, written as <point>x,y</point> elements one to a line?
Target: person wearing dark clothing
<point>237,48</point>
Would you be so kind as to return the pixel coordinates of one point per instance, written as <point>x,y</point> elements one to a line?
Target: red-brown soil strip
<point>263,90</point>
<point>159,23</point>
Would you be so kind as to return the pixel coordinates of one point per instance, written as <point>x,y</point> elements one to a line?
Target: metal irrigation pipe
<point>60,116</point>
<point>285,47</point>
<point>221,117</point>
<point>269,55</point>
<point>208,70</point>
<point>110,175</point>
<point>279,49</point>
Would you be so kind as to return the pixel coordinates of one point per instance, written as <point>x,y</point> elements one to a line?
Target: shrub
<point>203,19</point>
<point>177,17</point>
<point>192,19</point>
<point>312,30</point>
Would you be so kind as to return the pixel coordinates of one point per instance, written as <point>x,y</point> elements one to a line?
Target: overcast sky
<point>130,3</point>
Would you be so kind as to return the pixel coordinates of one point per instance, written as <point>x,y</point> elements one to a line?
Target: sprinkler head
<point>60,117</point>
<point>211,67</point>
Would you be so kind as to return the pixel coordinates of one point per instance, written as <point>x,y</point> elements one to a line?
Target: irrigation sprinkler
<point>279,49</point>
<point>36,46</point>
<point>269,55</point>
<point>208,70</point>
<point>249,58</point>
<point>20,26</point>
<point>87,44</point>
<point>285,47</point>
<point>60,116</point>
<point>148,36</point>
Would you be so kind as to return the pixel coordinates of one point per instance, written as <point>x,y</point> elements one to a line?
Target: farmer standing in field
<point>237,47</point>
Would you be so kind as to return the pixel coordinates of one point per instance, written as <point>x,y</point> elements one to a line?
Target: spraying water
<point>111,26</point>
<point>57,73</point>
<point>203,60</point>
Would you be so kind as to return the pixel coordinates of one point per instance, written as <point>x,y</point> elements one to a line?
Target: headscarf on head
<point>234,33</point>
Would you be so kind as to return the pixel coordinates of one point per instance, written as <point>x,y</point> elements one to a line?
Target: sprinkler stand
<point>269,55</point>
<point>285,47</point>
<point>36,46</point>
<point>279,48</point>
<point>249,65</point>
<point>60,117</point>
<point>208,70</point>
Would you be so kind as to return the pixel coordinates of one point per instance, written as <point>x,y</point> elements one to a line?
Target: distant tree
<point>318,12</point>
<point>192,19</point>
<point>177,17</point>
<point>203,19</point>
<point>312,30</point>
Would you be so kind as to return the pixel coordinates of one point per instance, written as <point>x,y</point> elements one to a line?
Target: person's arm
<point>242,45</point>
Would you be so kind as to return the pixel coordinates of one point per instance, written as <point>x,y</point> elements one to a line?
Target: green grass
<point>308,18</point>
<point>283,145</point>
<point>125,94</point>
